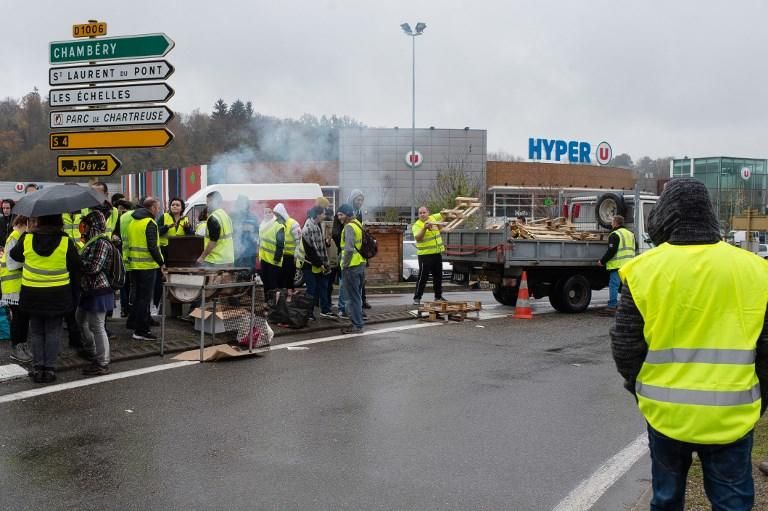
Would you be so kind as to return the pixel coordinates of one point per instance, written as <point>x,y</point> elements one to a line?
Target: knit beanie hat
<point>346,209</point>
<point>684,215</point>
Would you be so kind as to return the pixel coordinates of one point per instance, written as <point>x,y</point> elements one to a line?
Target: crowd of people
<point>59,270</point>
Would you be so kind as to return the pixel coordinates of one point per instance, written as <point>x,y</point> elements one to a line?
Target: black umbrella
<point>58,199</point>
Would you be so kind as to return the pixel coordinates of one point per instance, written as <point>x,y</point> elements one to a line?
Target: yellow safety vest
<point>268,244</point>
<point>45,271</point>
<point>167,220</point>
<point>290,241</point>
<point>138,255</point>
<point>10,280</point>
<point>432,242</point>
<point>125,220</point>
<point>357,258</point>
<point>72,228</point>
<point>626,250</point>
<point>173,230</point>
<point>703,307</point>
<point>224,253</point>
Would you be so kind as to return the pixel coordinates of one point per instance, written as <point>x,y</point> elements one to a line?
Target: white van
<point>297,198</point>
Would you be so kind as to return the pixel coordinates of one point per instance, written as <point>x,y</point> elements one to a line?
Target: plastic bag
<point>292,311</point>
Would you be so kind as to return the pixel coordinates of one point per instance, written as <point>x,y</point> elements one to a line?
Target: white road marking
<point>25,394</point>
<point>584,496</point>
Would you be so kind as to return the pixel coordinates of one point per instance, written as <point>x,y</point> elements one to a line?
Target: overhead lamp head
<point>406,28</point>
<point>420,27</point>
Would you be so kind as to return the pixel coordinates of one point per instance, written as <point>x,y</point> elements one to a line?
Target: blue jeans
<point>317,286</point>
<point>727,473</point>
<point>352,285</point>
<point>614,283</point>
<point>342,304</point>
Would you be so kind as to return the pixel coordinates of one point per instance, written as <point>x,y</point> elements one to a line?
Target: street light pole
<point>411,158</point>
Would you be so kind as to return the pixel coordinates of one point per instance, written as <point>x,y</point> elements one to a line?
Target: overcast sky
<point>654,78</point>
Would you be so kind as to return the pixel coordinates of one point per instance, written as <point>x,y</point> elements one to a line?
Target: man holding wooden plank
<point>429,248</point>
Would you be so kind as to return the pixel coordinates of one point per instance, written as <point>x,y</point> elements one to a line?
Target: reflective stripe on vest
<point>10,280</point>
<point>45,271</point>
<point>432,242</point>
<point>625,252</point>
<point>139,256</point>
<point>268,244</point>
<point>357,227</point>
<point>698,382</point>
<point>224,252</point>
<point>290,241</point>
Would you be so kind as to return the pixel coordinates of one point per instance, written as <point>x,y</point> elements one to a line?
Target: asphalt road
<point>509,416</point>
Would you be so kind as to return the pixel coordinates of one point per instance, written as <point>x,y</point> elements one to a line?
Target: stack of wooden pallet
<point>552,229</point>
<point>444,311</point>
<point>465,208</point>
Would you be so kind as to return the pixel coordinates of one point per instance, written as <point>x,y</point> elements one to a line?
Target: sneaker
<point>343,315</point>
<point>20,354</point>
<point>312,318</point>
<point>351,330</point>
<point>367,305</point>
<point>416,302</point>
<point>441,299</point>
<point>48,376</point>
<point>328,315</point>
<point>144,336</point>
<point>96,370</point>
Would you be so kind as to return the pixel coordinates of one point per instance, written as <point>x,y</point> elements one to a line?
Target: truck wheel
<point>608,205</point>
<point>556,297</point>
<point>505,295</point>
<point>575,294</point>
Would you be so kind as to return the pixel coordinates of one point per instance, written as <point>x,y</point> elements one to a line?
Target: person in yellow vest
<point>219,248</point>
<point>352,267</point>
<point>429,249</point>
<point>271,248</point>
<point>50,262</point>
<point>292,239</point>
<point>621,249</point>
<point>690,339</point>
<point>170,224</point>
<point>10,284</point>
<point>125,209</point>
<point>71,226</point>
<point>143,258</point>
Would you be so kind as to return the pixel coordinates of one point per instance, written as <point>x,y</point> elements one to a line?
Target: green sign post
<point>110,48</point>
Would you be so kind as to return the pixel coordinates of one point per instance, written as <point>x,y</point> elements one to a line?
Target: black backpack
<point>116,268</point>
<point>369,247</point>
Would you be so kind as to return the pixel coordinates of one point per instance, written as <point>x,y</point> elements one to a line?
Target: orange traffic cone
<point>523,307</point>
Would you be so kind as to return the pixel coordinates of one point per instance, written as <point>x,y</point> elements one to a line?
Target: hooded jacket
<point>151,233</point>
<point>357,213</point>
<point>48,301</point>
<point>682,216</point>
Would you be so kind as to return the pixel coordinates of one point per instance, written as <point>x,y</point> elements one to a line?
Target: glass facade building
<point>734,184</point>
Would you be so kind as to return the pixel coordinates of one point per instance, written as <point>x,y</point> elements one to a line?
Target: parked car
<point>763,251</point>
<point>411,263</point>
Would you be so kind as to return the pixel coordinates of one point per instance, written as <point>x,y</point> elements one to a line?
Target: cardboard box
<point>226,319</point>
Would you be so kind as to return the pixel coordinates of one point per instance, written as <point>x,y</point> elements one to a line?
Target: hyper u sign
<point>573,151</point>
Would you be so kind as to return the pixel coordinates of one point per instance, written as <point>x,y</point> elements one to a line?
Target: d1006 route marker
<point>110,95</point>
<point>86,165</point>
<point>110,48</point>
<point>110,117</point>
<point>119,72</point>
<point>125,139</point>
<point>98,28</point>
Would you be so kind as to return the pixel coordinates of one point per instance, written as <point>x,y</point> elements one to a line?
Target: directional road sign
<point>117,72</point>
<point>110,139</point>
<point>110,117</point>
<point>110,95</point>
<point>84,165</point>
<point>110,48</point>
